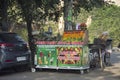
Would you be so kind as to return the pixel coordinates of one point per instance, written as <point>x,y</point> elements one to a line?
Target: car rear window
<point>10,37</point>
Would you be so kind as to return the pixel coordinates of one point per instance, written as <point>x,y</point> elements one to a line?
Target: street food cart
<point>69,52</point>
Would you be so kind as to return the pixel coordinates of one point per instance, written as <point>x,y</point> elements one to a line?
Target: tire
<point>107,59</point>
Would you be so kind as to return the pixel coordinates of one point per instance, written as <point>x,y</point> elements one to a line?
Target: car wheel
<point>107,59</point>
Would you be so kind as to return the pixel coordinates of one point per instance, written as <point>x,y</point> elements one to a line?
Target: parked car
<point>13,50</point>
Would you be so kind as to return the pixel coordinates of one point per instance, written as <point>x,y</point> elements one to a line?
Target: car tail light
<point>8,60</point>
<point>6,45</point>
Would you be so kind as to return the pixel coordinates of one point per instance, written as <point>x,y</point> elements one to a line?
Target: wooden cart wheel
<point>107,59</point>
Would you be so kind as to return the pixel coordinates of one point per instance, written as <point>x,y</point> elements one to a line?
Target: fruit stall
<point>68,52</point>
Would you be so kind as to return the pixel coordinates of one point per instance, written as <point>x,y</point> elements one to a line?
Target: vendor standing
<point>106,46</point>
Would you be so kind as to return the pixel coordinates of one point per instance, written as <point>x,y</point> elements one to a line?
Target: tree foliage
<point>38,10</point>
<point>43,9</point>
<point>106,19</point>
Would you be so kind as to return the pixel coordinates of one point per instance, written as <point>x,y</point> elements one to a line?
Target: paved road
<point>110,73</point>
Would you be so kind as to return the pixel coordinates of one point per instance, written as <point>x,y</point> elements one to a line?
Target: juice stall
<point>70,52</point>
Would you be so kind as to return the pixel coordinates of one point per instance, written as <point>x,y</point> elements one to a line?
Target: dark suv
<point>13,50</point>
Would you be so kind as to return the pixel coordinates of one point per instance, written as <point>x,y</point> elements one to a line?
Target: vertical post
<point>68,14</point>
<point>100,57</point>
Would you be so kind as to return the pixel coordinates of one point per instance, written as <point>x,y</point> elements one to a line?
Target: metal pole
<point>100,57</point>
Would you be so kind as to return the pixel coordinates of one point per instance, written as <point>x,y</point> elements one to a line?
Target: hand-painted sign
<point>69,56</point>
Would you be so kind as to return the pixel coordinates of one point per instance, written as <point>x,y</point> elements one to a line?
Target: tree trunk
<point>68,14</point>
<point>27,7</point>
<point>4,15</point>
<point>61,20</point>
<point>31,39</point>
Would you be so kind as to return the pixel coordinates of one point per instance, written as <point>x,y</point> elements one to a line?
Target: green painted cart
<point>62,55</point>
